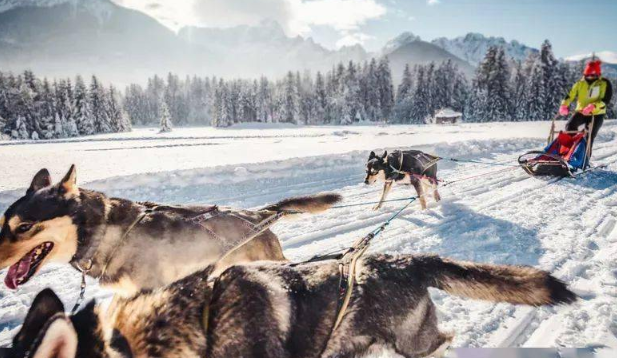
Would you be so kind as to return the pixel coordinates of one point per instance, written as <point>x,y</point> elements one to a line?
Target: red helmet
<point>593,68</point>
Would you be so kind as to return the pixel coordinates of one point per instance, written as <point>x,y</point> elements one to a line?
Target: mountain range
<point>60,38</point>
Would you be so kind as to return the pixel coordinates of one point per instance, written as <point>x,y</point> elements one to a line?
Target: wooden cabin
<point>447,116</point>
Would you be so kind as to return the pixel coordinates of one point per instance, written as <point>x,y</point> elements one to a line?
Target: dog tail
<point>306,204</point>
<point>499,283</point>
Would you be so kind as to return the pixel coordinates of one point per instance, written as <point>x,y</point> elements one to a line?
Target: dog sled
<point>563,156</point>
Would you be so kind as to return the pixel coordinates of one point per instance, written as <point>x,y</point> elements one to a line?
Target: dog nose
<point>365,181</point>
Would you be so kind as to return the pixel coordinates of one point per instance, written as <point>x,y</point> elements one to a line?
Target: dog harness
<point>431,162</point>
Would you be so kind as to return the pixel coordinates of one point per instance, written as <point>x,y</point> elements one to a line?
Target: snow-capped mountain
<point>472,47</point>
<point>410,49</point>
<point>399,41</point>
<point>608,57</point>
<point>266,49</point>
<point>60,38</point>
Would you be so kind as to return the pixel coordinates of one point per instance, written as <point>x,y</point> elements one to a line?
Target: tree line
<point>500,90</point>
<point>35,108</point>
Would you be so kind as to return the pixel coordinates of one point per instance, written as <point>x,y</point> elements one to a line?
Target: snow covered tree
<point>351,111</point>
<point>165,124</point>
<point>404,96</point>
<point>21,130</point>
<point>47,112</point>
<point>289,110</point>
<point>98,104</point>
<point>82,112</point>
<point>385,88</point>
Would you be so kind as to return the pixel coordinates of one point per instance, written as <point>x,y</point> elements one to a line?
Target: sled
<point>563,156</point>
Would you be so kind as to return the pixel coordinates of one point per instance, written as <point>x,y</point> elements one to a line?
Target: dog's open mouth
<point>20,272</point>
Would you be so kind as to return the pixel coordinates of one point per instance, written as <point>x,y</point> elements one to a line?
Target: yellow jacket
<point>597,93</point>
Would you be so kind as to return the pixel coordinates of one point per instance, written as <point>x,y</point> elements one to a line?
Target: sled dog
<point>130,245</point>
<point>274,309</point>
<point>403,167</point>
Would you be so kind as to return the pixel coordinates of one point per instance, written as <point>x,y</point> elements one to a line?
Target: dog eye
<point>24,227</point>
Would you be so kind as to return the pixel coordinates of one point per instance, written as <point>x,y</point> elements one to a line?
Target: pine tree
<point>98,104</point>
<point>404,96</point>
<point>421,98</point>
<point>351,111</point>
<point>385,88</point>
<point>289,112</point>
<point>21,130</point>
<point>165,124</point>
<point>82,112</point>
<point>321,98</point>
<point>47,112</point>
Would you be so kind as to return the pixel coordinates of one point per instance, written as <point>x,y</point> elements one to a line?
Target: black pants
<point>579,119</point>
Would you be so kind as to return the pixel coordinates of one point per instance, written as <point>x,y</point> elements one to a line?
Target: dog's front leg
<point>384,194</point>
<point>419,186</point>
<point>436,193</point>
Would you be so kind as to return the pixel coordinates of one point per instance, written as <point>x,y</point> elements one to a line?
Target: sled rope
<point>450,182</point>
<point>457,160</point>
<point>349,259</point>
<point>347,269</point>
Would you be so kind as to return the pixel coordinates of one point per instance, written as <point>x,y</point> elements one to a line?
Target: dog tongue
<point>17,271</point>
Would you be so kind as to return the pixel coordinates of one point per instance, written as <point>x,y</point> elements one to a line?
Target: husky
<point>129,245</point>
<point>274,309</point>
<point>403,167</point>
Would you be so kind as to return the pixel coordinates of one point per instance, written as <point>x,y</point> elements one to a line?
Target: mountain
<point>265,49</point>
<point>61,38</point>
<point>406,49</point>
<point>472,47</point>
<point>608,58</point>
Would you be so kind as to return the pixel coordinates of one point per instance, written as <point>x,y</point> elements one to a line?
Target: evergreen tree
<point>289,110</point>
<point>385,88</point>
<point>165,124</point>
<point>404,97</point>
<point>98,104</point>
<point>82,112</point>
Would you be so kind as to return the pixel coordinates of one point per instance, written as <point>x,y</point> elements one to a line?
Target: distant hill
<point>413,51</point>
<point>472,47</point>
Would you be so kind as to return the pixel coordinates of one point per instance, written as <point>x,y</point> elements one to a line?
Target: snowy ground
<point>568,227</point>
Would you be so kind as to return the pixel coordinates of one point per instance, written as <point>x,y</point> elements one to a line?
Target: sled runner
<point>563,156</point>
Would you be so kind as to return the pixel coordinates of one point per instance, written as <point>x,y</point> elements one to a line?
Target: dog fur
<point>165,245</point>
<point>416,166</point>
<point>270,309</point>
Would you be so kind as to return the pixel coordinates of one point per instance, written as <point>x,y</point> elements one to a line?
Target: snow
<point>568,227</point>
<point>605,56</point>
<point>473,46</point>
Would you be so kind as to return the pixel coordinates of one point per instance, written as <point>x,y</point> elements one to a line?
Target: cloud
<point>297,17</point>
<point>433,2</point>
<point>351,39</point>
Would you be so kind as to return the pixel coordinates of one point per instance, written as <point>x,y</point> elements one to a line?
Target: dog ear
<point>69,182</point>
<point>384,155</point>
<point>46,331</point>
<point>41,180</point>
<point>372,155</point>
<point>59,340</point>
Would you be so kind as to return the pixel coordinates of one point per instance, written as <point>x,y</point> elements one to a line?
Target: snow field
<point>568,227</point>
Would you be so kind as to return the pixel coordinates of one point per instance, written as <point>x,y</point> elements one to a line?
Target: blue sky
<point>573,26</point>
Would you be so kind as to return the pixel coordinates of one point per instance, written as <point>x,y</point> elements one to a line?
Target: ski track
<point>568,227</point>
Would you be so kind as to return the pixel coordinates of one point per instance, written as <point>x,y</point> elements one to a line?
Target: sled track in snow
<point>519,188</point>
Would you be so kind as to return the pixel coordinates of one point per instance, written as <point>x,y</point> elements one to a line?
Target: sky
<point>573,26</point>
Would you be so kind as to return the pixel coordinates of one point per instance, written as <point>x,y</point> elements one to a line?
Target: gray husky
<point>273,309</point>
<point>128,245</point>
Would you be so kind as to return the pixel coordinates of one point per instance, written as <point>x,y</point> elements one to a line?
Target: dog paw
<point>376,207</point>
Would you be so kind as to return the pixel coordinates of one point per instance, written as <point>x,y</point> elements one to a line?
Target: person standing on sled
<point>593,93</point>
